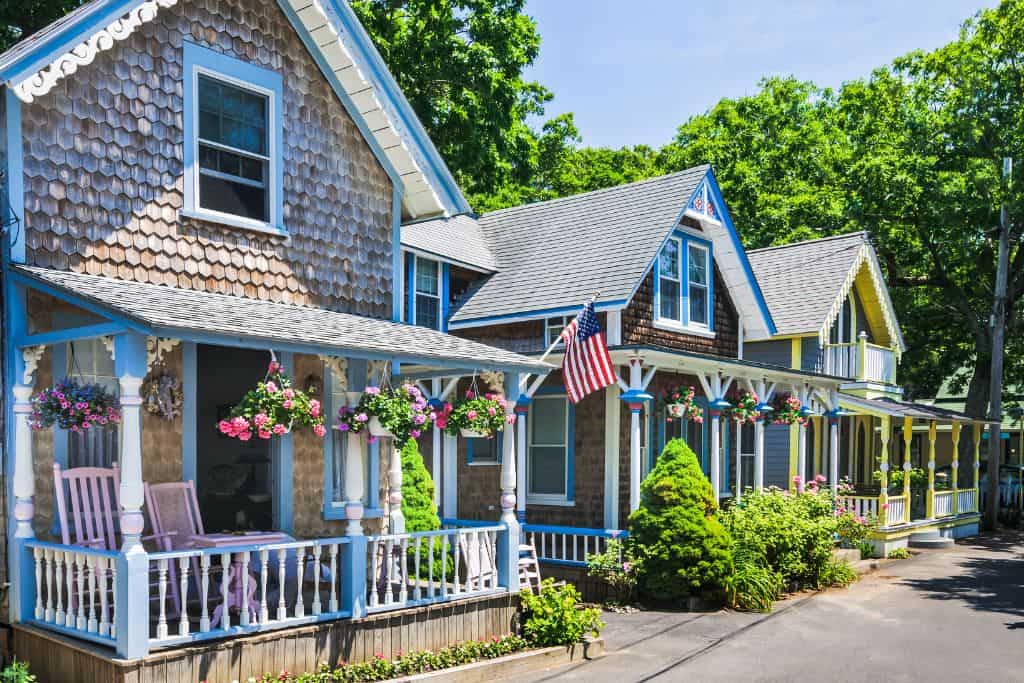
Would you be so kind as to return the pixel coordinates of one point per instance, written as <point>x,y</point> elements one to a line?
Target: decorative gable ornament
<point>41,82</point>
<point>702,203</point>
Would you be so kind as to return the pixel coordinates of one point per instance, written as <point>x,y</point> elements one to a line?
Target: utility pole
<point>998,322</point>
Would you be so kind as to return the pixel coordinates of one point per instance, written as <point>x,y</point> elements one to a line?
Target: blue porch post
<point>508,544</point>
<point>132,589</point>
<point>522,411</point>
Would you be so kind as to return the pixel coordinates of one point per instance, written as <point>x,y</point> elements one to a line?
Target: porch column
<point>132,589</point>
<point>833,453</point>
<point>759,453</point>
<point>955,466</point>
<point>716,450</point>
<point>930,501</point>
<point>883,435</point>
<point>611,456</point>
<point>355,454</point>
<point>739,460</point>
<point>508,544</point>
<point>396,519</point>
<point>522,410</point>
<point>801,455</point>
<point>450,456</point>
<point>435,449</point>
<point>977,466</point>
<point>908,438</point>
<point>635,398</point>
<point>23,595</point>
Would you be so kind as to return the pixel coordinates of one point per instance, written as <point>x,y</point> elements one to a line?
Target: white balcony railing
<point>860,360</point>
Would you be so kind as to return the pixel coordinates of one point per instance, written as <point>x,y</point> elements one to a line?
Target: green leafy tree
<point>684,550</point>
<point>21,18</point>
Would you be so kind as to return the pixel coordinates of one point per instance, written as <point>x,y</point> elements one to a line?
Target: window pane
<point>426,276</point>
<point>698,265</point>
<point>232,116</point>
<point>547,470</point>
<point>555,327</point>
<point>669,260</point>
<point>484,450</point>
<point>220,194</point>
<point>428,311</point>
<point>548,417</point>
<point>669,306</point>
<point>698,305</point>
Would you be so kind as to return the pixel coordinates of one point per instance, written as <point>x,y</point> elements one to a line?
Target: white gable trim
<point>865,257</point>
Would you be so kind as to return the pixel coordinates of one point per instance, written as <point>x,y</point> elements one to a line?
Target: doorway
<point>234,480</point>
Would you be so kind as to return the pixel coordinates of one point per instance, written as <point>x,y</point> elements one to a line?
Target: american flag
<point>587,366</point>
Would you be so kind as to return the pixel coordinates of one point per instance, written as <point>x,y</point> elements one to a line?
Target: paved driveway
<point>952,615</point>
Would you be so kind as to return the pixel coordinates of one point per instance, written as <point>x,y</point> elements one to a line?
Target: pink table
<point>249,538</point>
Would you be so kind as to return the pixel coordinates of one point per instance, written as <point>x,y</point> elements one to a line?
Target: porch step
<point>929,539</point>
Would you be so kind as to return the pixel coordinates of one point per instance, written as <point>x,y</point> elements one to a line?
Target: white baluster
<point>430,564</point>
<point>225,578</point>
<point>374,551</point>
<point>282,606</point>
<point>403,571</point>
<point>161,624</point>
<point>456,552</point>
<point>69,566</point>
<point>389,569</point>
<point>444,565</point>
<point>80,570</point>
<point>565,547</point>
<point>300,560</point>
<point>104,623</point>
<point>183,563</point>
<point>416,568</point>
<point>37,555</point>
<point>332,602</point>
<point>575,557</point>
<point>543,545</point>
<point>494,558</point>
<point>92,625</point>
<point>243,619</point>
<point>264,609</point>
<point>113,601</point>
<point>316,578</point>
<point>481,552</point>
<point>204,617</point>
<point>48,558</point>
<point>58,580</point>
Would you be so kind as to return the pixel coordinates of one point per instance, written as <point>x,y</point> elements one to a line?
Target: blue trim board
<point>570,448</point>
<point>284,458</point>
<point>410,287</point>
<point>15,170</point>
<point>396,253</point>
<point>71,334</point>
<point>498,438</point>
<point>538,313</point>
<point>21,280</point>
<point>445,288</point>
<point>189,417</point>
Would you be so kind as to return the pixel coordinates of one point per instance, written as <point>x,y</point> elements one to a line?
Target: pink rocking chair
<point>88,501</point>
<point>174,516</point>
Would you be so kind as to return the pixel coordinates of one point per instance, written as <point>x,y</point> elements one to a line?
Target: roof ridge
<point>846,235</point>
<point>603,190</point>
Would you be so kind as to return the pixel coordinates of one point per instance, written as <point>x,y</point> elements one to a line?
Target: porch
<point>334,549</point>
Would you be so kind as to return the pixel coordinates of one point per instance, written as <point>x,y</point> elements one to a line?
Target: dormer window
<point>426,292</point>
<point>232,126</point>
<point>682,285</point>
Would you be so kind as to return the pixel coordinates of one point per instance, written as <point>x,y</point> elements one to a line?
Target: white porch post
<point>635,398</point>
<point>508,545</point>
<point>801,457</point>
<point>23,594</point>
<point>716,451</point>
<point>355,454</point>
<point>611,456</point>
<point>759,454</point>
<point>435,450</point>
<point>833,464</point>
<point>132,589</point>
<point>522,411</point>
<point>739,460</point>
<point>396,519</point>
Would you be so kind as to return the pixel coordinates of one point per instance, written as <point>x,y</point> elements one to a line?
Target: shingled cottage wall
<point>103,157</point>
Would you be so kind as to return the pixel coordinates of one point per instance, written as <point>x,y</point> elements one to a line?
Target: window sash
<point>698,315</point>
<point>427,293</point>
<point>553,328</point>
<point>552,443</point>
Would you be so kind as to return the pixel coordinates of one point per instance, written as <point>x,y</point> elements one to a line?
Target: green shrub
<point>684,550</point>
<point>555,617</point>
<point>616,568</point>
<point>17,672</point>
<point>420,512</point>
<point>867,550</point>
<point>899,554</point>
<point>752,585</point>
<point>837,573</point>
<point>791,533</point>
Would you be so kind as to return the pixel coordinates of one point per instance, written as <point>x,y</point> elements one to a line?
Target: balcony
<point>860,360</point>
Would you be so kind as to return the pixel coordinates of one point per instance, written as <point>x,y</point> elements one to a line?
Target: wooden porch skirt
<point>54,658</point>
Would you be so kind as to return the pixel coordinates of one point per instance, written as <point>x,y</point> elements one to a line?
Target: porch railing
<point>75,590</point>
<point>424,567</point>
<point>569,546</point>
<point>194,592</point>
<point>859,360</point>
<point>862,506</point>
<point>942,503</point>
<point>966,500</point>
<point>896,513</point>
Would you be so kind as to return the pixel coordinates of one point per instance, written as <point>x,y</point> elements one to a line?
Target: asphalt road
<point>951,615</point>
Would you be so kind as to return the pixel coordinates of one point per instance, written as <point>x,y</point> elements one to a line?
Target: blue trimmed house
<point>190,190</point>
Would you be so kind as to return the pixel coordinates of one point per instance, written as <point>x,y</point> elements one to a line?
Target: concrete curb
<point>515,666</point>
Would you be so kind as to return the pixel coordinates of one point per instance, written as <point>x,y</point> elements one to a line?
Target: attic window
<point>683,296</point>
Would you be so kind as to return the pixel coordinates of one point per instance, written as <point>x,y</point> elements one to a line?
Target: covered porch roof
<point>204,317</point>
<point>887,407</point>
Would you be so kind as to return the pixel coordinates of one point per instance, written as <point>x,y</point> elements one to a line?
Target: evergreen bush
<point>685,552</point>
<point>420,512</point>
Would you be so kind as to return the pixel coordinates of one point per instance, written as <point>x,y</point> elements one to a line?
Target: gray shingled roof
<point>458,239</point>
<point>802,281</point>
<point>169,311</point>
<point>558,253</point>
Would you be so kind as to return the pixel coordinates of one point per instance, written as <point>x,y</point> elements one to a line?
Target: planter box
<point>514,667</point>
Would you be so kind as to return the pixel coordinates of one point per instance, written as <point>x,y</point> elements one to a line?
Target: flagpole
<point>526,378</point>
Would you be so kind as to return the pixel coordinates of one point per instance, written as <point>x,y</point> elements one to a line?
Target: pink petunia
<point>271,388</point>
<point>264,433</point>
<point>245,436</point>
<point>288,393</point>
<point>280,429</point>
<point>319,430</point>
<point>314,408</point>
<point>287,404</point>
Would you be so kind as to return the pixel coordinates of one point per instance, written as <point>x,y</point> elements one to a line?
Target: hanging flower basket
<point>680,404</point>
<point>744,406</point>
<point>272,409</point>
<point>476,416</point>
<point>786,410</point>
<point>399,414</point>
<point>75,407</point>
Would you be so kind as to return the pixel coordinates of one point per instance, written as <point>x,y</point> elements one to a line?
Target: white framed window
<point>89,361</point>
<point>553,328</point>
<point>697,275</point>
<point>427,287</point>
<point>548,466</point>
<point>484,451</point>
<point>232,126</point>
<point>670,287</point>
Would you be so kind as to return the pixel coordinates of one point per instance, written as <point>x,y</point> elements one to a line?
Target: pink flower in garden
<point>65,405</point>
<point>224,426</point>
<point>419,418</point>
<point>798,480</point>
<point>245,436</point>
<point>492,411</point>
<point>470,394</point>
<point>362,417</point>
<point>288,393</point>
<point>271,388</point>
<point>274,367</point>
<point>287,404</point>
<point>626,566</point>
<point>260,419</point>
<point>471,414</point>
<point>885,506</point>
<point>264,433</point>
<point>314,408</point>
<point>820,478</point>
<point>372,391</point>
<point>414,433</point>
<point>280,429</point>
<point>319,430</point>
